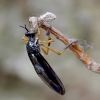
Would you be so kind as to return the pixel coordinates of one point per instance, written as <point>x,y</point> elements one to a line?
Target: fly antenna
<point>25,28</point>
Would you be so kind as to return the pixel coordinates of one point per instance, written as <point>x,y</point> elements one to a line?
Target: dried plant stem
<point>75,48</point>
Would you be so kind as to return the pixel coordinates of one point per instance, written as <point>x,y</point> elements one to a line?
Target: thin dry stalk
<point>75,48</point>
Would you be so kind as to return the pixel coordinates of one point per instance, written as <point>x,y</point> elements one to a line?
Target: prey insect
<point>41,66</point>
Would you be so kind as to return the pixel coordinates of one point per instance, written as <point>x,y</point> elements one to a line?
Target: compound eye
<point>27,33</point>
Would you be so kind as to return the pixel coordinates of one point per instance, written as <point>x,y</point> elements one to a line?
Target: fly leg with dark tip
<point>49,42</point>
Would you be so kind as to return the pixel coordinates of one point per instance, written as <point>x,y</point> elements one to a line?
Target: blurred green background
<point>79,19</point>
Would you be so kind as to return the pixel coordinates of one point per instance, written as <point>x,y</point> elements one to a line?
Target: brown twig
<point>75,48</point>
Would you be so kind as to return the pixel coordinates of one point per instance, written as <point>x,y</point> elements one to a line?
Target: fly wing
<point>47,74</point>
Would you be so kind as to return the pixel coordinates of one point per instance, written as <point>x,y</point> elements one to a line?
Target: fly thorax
<point>30,47</point>
<point>31,44</point>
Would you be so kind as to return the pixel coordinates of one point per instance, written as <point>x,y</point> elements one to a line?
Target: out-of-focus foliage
<point>78,19</point>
